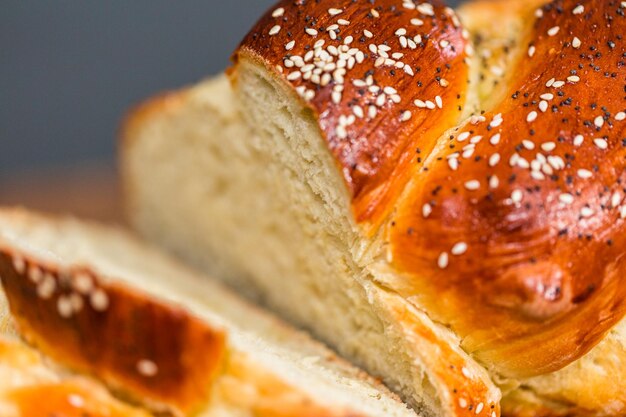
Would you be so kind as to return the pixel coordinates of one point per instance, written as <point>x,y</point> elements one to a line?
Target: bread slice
<point>100,301</point>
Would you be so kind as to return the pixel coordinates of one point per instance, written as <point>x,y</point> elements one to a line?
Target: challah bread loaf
<point>438,245</point>
<point>99,301</point>
<point>190,125</point>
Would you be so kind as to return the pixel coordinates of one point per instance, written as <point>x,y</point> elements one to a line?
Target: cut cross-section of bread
<point>101,302</point>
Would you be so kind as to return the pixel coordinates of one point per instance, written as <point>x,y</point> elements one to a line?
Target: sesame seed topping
<point>578,140</point>
<point>311,31</point>
<point>99,300</point>
<point>19,264</point>
<point>406,116</point>
<point>334,12</point>
<point>147,368</point>
<point>601,143</point>
<point>580,9</point>
<point>585,174</point>
<point>566,198</point>
<point>517,196</point>
<point>443,260</point>
<point>479,408</point>
<point>599,121</point>
<point>576,43</point>
<point>472,185</point>
<point>553,31</point>
<point>278,12</point>
<point>531,51</point>
<point>532,116</point>
<point>427,209</point>
<point>459,249</point>
<point>620,116</point>
<point>274,30</point>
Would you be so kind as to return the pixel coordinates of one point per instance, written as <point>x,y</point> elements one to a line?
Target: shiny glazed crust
<point>512,231</point>
<point>359,105</point>
<point>68,315</point>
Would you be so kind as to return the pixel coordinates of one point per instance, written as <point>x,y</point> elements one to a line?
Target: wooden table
<point>88,190</point>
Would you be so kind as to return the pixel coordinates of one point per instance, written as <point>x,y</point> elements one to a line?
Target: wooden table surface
<point>89,190</point>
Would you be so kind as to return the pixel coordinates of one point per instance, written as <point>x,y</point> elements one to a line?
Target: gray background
<point>69,69</point>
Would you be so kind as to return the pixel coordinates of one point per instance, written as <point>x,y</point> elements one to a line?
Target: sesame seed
<point>586,212</point>
<point>616,199</point>
<point>374,13</point>
<point>278,12</point>
<point>459,249</point>
<point>558,84</point>
<point>548,146</point>
<point>585,174</point>
<point>576,43</point>
<point>543,106</point>
<point>343,22</point>
<point>444,43</point>
<point>573,78</point>
<point>406,116</point>
<point>274,30</point>
<point>439,102</point>
<point>147,368</point>
<point>578,140</point>
<point>462,402</point>
<point>19,264</point>
<point>76,401</point>
<point>294,76</point>
<point>620,116</point>
<point>517,196</point>
<point>334,12</point>
<point>580,9</point>
<point>601,143</point>
<point>479,408</point>
<point>532,116</point>
<point>290,45</point>
<point>472,185</point>
<point>566,198</point>
<point>46,287</point>
<point>494,182</point>
<point>64,307</point>
<point>547,96</point>
<point>311,31</point>
<point>495,139</point>
<point>494,159</point>
<point>531,51</point>
<point>368,34</point>
<point>443,260</point>
<point>417,22</point>
<point>453,163</point>
<point>427,209</point>
<point>401,32</point>
<point>99,300</point>
<point>35,274</point>
<point>553,31</point>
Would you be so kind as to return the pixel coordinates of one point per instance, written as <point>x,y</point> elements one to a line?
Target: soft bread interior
<point>279,354</point>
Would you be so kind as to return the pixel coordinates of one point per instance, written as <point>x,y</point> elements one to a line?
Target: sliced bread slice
<point>100,301</point>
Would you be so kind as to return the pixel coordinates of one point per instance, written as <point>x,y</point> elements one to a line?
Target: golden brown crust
<point>30,388</point>
<point>365,94</point>
<point>537,279</point>
<point>70,314</point>
<point>463,387</point>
